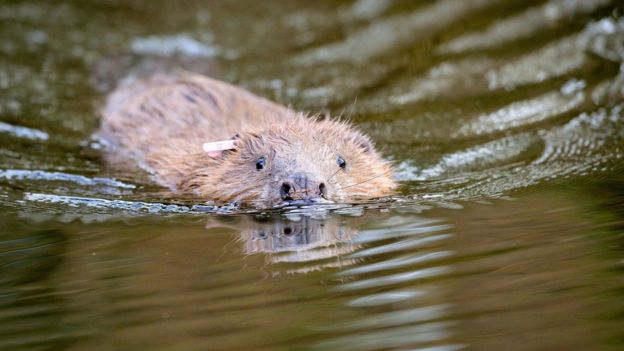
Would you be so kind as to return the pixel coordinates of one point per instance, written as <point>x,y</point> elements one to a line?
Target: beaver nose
<point>285,191</point>
<point>300,187</point>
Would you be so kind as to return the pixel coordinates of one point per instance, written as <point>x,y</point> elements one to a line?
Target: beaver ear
<point>348,132</point>
<point>363,141</point>
<point>225,153</point>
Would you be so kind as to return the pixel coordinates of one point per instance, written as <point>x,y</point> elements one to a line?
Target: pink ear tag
<point>216,148</point>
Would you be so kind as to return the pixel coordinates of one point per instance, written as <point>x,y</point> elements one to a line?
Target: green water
<point>505,119</point>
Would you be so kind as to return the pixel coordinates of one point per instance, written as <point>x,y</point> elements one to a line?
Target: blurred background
<point>505,120</point>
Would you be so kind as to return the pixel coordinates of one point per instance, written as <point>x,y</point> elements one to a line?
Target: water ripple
<point>394,279</point>
<point>132,206</point>
<point>490,155</point>
<point>397,318</point>
<point>397,231</point>
<point>523,24</point>
<point>18,174</point>
<point>173,45</point>
<point>523,113</point>
<point>389,34</point>
<point>385,298</point>
<point>395,337</point>
<point>396,263</point>
<point>23,132</point>
<point>400,245</point>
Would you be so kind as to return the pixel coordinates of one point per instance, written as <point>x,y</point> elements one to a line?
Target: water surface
<point>505,120</point>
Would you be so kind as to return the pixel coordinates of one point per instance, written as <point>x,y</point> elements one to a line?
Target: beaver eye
<point>260,163</point>
<point>341,162</point>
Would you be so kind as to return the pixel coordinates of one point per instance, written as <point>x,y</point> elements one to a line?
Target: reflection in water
<point>398,270</point>
<point>330,241</point>
<point>445,279</point>
<point>30,306</point>
<point>303,240</point>
<point>309,241</point>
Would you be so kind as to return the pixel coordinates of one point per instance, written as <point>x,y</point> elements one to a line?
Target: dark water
<point>506,119</point>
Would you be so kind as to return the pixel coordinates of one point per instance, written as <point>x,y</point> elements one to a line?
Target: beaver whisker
<point>365,181</point>
<point>330,178</point>
<point>237,195</point>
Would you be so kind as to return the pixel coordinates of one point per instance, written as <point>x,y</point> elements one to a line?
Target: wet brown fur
<point>161,123</point>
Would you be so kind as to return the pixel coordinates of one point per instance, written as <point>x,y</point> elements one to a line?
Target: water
<point>505,119</point>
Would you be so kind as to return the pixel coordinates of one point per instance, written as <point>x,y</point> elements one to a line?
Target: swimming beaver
<point>280,155</point>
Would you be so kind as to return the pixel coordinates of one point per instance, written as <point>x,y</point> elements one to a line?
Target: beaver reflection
<point>302,239</point>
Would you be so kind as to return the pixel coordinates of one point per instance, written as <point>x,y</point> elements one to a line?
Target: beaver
<point>280,156</point>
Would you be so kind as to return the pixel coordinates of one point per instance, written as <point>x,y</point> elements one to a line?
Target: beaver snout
<point>300,186</point>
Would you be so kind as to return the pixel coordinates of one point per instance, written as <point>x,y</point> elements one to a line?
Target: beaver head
<point>299,160</point>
